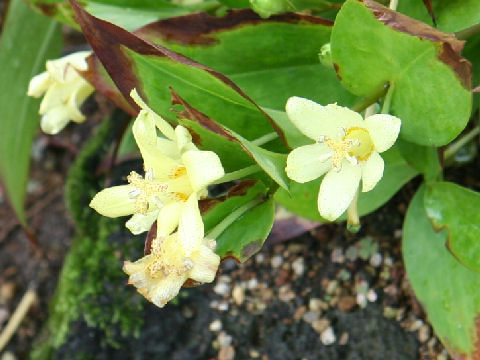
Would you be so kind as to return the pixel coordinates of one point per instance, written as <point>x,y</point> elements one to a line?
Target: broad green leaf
<point>373,46</point>
<point>451,15</point>
<point>422,158</point>
<point>153,70</point>
<point>129,14</point>
<point>456,209</point>
<point>293,137</point>
<point>241,220</point>
<point>270,59</point>
<point>302,199</point>
<point>447,290</point>
<point>23,52</point>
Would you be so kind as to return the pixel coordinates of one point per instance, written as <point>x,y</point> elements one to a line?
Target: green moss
<point>92,285</point>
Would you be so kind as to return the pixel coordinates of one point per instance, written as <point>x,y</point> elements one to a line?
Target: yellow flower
<point>65,91</point>
<point>347,149</point>
<point>183,255</point>
<point>174,170</point>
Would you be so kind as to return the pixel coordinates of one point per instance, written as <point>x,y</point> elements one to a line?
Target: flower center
<point>146,190</point>
<point>355,145</point>
<point>168,258</point>
<point>364,147</point>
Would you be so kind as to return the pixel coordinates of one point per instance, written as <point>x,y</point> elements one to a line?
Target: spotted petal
<point>315,120</point>
<point>383,130</point>
<point>114,201</point>
<point>337,190</point>
<point>308,162</point>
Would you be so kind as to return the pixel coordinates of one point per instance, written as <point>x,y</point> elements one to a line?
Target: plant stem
<point>353,220</point>
<point>232,217</point>
<point>388,99</point>
<point>468,32</point>
<point>393,4</point>
<point>235,175</point>
<point>366,102</point>
<point>465,139</point>
<point>369,111</point>
<point>265,139</point>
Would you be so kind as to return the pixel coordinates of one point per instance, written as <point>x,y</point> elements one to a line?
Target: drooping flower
<point>173,259</point>
<point>65,91</point>
<point>174,170</point>
<point>346,149</point>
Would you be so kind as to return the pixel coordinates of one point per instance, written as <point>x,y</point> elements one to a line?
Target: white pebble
<point>276,261</point>
<point>328,336</point>
<point>371,295</point>
<point>215,325</point>
<point>298,266</point>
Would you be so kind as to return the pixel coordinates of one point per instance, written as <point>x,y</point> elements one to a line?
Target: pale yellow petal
<point>169,217</point>
<point>337,190</point>
<point>203,168</point>
<point>183,139</point>
<point>383,130</point>
<point>190,228</point>
<point>146,137</point>
<point>140,223</point>
<point>206,265</point>
<point>53,121</point>
<point>165,128</point>
<point>372,171</point>
<point>166,289</point>
<point>316,121</point>
<point>39,84</point>
<point>114,201</point>
<point>308,162</point>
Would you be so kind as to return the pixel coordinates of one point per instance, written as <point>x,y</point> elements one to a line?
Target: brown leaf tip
<point>451,46</point>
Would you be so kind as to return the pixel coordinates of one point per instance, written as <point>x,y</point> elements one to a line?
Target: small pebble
<point>227,353</point>
<point>285,293</point>
<point>362,300</point>
<point>415,325</point>
<point>352,253</point>
<point>343,339</point>
<point>276,261</point>
<point>4,314</point>
<point>223,306</point>
<point>215,325</point>
<point>442,356</point>
<point>252,284</point>
<point>337,256</point>
<point>310,316</point>
<point>344,275</point>
<point>346,303</point>
<point>254,354</point>
<point>331,287</point>
<point>298,267</point>
<point>320,325</point>
<point>260,258</point>
<point>7,291</point>
<point>299,312</point>
<point>222,288</point>
<point>315,305</point>
<point>224,339</point>
<point>328,336</point>
<point>7,355</point>
<point>424,333</point>
<point>371,295</point>
<point>376,260</point>
<point>238,295</point>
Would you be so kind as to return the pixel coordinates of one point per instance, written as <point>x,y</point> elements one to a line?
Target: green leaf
<point>422,158</point>
<point>23,52</point>
<point>270,59</point>
<point>129,14</point>
<point>472,53</point>
<point>455,208</point>
<point>447,290</point>
<point>240,221</point>
<point>152,69</point>
<point>302,199</point>
<point>293,137</point>
<point>373,46</point>
<point>451,15</point>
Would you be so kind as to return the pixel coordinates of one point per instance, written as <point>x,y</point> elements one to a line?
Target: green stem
<point>388,99</point>
<point>353,220</point>
<point>232,217</point>
<point>265,139</point>
<point>468,32</point>
<point>235,175</point>
<point>366,102</point>
<point>465,139</point>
